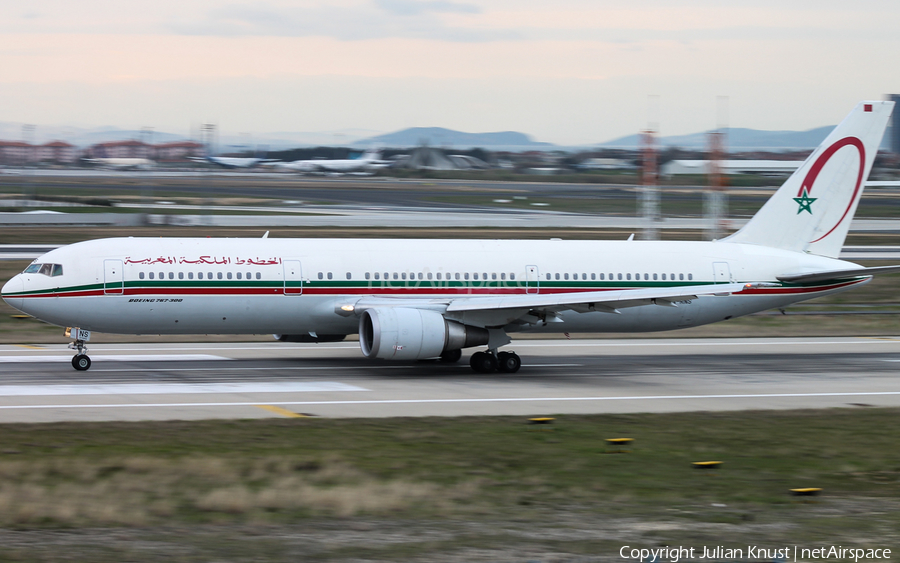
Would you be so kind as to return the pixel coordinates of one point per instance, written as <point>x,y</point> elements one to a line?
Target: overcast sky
<point>563,71</point>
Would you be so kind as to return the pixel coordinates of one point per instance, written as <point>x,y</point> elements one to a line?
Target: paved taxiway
<point>253,380</point>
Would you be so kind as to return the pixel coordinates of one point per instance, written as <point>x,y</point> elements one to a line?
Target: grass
<point>453,485</point>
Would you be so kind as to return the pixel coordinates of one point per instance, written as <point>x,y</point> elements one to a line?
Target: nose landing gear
<point>80,361</point>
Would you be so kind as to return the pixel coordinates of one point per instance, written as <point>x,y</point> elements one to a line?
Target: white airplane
<point>419,299</point>
<point>123,163</point>
<point>233,161</point>
<point>370,160</point>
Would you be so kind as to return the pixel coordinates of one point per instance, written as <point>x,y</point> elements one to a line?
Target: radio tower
<point>649,180</point>
<point>716,197</point>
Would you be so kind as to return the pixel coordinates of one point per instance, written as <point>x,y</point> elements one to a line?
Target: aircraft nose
<point>15,285</point>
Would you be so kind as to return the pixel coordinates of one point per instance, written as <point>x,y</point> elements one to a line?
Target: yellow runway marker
<point>282,412</point>
<point>30,346</point>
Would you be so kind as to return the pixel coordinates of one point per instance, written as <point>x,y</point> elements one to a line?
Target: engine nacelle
<point>396,333</point>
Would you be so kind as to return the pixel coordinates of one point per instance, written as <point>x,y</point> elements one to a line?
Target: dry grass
<point>142,490</point>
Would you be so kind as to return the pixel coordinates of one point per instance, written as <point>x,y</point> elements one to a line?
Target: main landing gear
<point>488,362</point>
<point>80,361</point>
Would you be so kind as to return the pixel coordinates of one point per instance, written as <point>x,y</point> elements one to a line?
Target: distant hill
<point>441,137</point>
<point>737,139</point>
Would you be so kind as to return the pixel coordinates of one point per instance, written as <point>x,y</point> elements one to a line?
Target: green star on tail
<point>805,202</point>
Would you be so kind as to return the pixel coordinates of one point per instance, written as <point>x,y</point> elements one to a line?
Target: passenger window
<point>190,275</point>
<point>367,275</point>
<point>321,276</point>
<point>457,275</point>
<point>493,276</point>
<point>376,275</point>
<point>140,275</point>
<point>680,276</point>
<point>228,275</point>
<point>593,276</point>
<point>238,275</point>
<point>484,275</point>
<point>151,275</point>
<point>566,276</point>
<point>329,275</point>
<point>386,276</point>
<point>549,277</point>
<point>690,276</point>
<point>466,275</point>
<point>475,275</point>
<point>628,276</point>
<point>162,275</point>
<point>663,276</point>
<point>349,276</point>
<point>396,276</point>
<point>620,276</point>
<point>502,276</point>
<point>199,275</point>
<point>556,276</point>
<point>512,276</point>
<point>258,275</point>
<point>403,275</point>
<point>654,277</point>
<point>181,275</point>
<point>249,275</point>
<point>646,276</point>
<point>421,276</point>
<point>171,275</point>
<point>438,275</point>
<point>57,270</point>
<point>429,275</point>
<point>602,276</point>
<point>219,275</point>
<point>209,275</point>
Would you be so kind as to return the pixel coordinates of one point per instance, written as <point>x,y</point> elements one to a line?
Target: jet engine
<point>399,333</point>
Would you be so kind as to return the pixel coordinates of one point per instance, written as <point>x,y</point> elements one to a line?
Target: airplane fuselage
<point>297,286</point>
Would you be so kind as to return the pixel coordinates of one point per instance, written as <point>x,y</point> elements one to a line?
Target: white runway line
<point>175,388</point>
<point>114,358</point>
<point>426,401</point>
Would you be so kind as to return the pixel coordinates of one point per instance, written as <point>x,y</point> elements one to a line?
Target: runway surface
<point>254,380</point>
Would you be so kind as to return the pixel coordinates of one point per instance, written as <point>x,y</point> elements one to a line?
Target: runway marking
<point>366,366</point>
<point>281,411</point>
<point>427,401</point>
<point>114,358</point>
<point>175,388</point>
<point>29,346</point>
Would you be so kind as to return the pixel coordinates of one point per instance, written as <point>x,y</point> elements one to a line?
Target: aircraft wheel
<point>451,356</point>
<point>508,362</point>
<point>482,362</point>
<point>81,362</point>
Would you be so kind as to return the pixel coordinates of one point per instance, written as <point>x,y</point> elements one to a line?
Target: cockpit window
<point>45,269</point>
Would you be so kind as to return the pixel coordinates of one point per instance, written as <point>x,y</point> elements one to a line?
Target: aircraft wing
<point>598,300</point>
<point>503,309</point>
<point>837,274</point>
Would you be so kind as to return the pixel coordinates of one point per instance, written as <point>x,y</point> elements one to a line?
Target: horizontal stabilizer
<point>838,274</point>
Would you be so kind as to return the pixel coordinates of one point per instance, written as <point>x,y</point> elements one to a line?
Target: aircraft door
<point>721,272</point>
<point>113,277</point>
<point>532,279</point>
<point>293,277</point>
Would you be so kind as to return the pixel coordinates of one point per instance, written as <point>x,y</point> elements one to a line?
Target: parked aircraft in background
<point>123,163</point>
<point>419,299</point>
<point>369,161</point>
<point>233,161</point>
